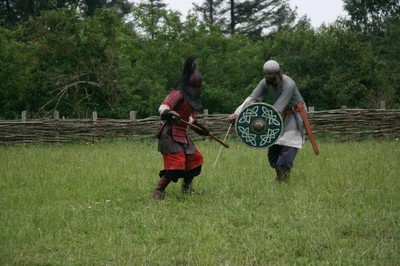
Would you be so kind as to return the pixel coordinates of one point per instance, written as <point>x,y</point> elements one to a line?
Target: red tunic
<point>179,152</point>
<point>175,101</point>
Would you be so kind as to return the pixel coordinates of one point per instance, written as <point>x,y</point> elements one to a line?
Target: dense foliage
<point>76,58</point>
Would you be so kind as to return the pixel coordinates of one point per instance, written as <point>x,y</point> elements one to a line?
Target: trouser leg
<point>187,183</point>
<point>160,188</point>
<point>273,154</point>
<point>286,157</point>
<point>281,158</point>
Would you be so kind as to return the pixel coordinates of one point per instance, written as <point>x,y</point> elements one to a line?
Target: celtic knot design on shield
<point>248,114</point>
<point>269,137</point>
<point>269,114</point>
<point>251,138</point>
<point>248,125</point>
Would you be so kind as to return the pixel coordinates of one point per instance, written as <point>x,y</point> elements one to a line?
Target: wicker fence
<point>340,124</point>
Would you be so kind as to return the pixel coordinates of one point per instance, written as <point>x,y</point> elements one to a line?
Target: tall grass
<point>86,204</point>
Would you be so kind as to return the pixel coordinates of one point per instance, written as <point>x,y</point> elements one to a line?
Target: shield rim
<point>280,128</point>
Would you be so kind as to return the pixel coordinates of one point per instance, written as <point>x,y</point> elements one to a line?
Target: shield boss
<point>259,125</point>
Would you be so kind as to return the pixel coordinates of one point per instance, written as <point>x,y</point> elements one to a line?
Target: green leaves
<point>372,15</point>
<point>63,59</point>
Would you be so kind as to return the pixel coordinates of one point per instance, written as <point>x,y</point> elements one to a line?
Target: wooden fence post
<point>311,111</point>
<point>383,105</point>
<point>205,116</point>
<point>94,114</point>
<point>94,128</point>
<point>57,125</point>
<point>23,116</point>
<point>132,115</point>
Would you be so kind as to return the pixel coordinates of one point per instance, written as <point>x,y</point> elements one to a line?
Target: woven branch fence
<point>339,125</point>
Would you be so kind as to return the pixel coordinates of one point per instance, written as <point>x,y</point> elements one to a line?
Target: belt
<point>300,108</point>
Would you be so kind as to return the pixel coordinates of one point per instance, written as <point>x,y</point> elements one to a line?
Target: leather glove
<point>170,115</point>
<point>203,132</point>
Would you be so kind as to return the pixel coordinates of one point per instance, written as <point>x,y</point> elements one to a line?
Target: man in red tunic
<point>181,158</point>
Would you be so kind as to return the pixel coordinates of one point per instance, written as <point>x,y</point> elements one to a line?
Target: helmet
<point>271,66</point>
<point>195,79</point>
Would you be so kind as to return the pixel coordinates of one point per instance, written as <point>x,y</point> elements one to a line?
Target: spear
<point>227,132</point>
<point>209,134</point>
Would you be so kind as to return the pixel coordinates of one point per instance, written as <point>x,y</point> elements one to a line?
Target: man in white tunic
<point>286,96</point>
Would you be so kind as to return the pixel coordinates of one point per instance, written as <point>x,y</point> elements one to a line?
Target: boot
<point>162,184</point>
<point>282,174</point>
<point>187,185</point>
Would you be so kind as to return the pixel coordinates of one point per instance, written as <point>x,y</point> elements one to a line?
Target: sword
<point>227,132</point>
<point>307,125</point>
<point>200,129</point>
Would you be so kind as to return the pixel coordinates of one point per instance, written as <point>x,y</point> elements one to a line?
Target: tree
<point>212,12</point>
<point>257,17</point>
<point>17,63</point>
<point>78,65</point>
<point>14,11</point>
<point>371,15</point>
<point>61,59</point>
<point>251,17</point>
<point>332,66</point>
<point>148,16</point>
<point>379,21</point>
<point>121,7</point>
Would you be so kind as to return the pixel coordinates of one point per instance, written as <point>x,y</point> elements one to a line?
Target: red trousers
<point>182,161</point>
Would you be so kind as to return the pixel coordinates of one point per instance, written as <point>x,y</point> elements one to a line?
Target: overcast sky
<point>319,11</point>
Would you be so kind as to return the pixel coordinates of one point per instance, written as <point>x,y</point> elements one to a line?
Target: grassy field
<point>91,204</point>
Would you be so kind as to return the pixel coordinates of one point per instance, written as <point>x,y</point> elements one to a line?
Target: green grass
<point>91,204</point>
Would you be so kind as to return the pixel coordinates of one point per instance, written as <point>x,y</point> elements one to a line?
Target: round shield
<point>259,125</point>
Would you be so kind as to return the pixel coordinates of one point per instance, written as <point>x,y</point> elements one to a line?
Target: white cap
<point>271,66</point>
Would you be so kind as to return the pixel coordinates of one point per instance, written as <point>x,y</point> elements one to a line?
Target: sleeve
<point>172,100</point>
<point>163,108</point>
<point>249,100</point>
<point>193,117</point>
<point>257,95</point>
<point>284,99</point>
<point>260,91</point>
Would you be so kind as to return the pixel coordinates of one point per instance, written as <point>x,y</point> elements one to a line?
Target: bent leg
<point>273,154</point>
<point>160,188</point>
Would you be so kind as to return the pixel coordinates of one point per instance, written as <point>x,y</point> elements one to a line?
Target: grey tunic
<point>285,96</point>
